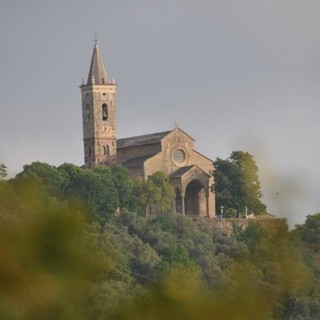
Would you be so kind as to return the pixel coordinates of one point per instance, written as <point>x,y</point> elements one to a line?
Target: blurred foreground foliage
<point>65,254</point>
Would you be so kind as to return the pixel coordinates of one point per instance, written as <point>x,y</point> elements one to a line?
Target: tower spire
<point>97,72</point>
<point>99,115</point>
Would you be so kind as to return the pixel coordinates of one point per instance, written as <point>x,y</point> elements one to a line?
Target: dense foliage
<point>104,189</point>
<point>3,171</point>
<point>237,185</point>
<point>155,193</point>
<point>67,254</point>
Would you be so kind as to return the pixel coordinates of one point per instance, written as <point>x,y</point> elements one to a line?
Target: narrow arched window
<point>104,112</point>
<point>106,150</point>
<point>89,151</point>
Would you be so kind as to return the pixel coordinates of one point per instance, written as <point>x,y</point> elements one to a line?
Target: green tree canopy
<point>55,264</point>
<point>49,176</point>
<point>237,184</point>
<point>3,171</point>
<point>123,185</point>
<point>94,187</point>
<point>309,232</point>
<point>156,192</point>
<point>102,189</point>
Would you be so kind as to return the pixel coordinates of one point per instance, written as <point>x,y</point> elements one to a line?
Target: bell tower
<point>99,115</point>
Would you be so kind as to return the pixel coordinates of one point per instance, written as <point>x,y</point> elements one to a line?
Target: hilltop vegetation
<point>65,254</point>
<point>237,185</point>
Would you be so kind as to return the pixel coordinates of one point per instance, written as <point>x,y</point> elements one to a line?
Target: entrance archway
<point>195,199</point>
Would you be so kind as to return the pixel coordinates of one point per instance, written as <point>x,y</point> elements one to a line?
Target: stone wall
<point>273,226</point>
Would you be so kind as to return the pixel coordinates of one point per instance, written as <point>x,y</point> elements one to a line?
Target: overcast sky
<point>234,74</point>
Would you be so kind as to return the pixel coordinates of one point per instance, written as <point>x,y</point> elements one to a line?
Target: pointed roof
<point>97,72</point>
<point>145,139</point>
<point>182,171</point>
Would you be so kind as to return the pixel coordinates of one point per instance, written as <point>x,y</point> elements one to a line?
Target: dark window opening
<point>104,112</point>
<point>106,150</point>
<point>89,151</point>
<point>102,80</point>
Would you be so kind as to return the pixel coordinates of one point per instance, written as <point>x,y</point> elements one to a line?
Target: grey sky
<point>236,75</point>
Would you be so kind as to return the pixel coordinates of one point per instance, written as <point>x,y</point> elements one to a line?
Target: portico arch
<point>195,199</point>
<point>191,185</point>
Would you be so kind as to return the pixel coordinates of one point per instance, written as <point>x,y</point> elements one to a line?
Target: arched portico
<point>195,199</point>
<point>191,186</point>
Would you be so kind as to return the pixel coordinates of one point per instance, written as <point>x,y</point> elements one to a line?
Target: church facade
<point>172,152</point>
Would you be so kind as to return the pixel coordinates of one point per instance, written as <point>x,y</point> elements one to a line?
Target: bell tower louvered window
<point>104,112</point>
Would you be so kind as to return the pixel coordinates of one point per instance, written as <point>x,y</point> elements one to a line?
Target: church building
<point>172,152</point>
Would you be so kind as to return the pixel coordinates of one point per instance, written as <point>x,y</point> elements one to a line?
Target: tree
<point>43,244</point>
<point>123,184</point>
<point>229,193</point>
<point>103,189</point>
<point>237,184</point>
<point>250,177</point>
<point>159,180</point>
<point>309,232</point>
<point>49,176</point>
<point>94,187</point>
<point>3,171</point>
<point>156,192</point>
<point>251,235</point>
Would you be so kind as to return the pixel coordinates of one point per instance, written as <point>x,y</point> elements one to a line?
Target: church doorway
<point>195,199</point>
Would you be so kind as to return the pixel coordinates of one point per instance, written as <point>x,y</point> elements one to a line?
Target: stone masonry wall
<point>273,226</point>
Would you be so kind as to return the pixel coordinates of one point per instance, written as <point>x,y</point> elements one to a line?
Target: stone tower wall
<point>99,124</point>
